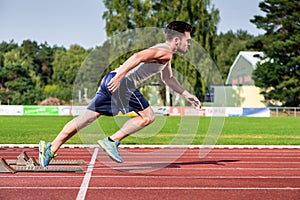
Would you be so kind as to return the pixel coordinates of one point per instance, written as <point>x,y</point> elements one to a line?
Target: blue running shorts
<point>125,99</point>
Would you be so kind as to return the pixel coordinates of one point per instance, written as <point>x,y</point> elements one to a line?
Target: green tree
<point>227,47</point>
<point>5,47</point>
<point>16,86</point>
<point>29,50</point>
<point>25,71</point>
<point>65,67</point>
<point>278,74</point>
<point>37,59</point>
<point>92,70</point>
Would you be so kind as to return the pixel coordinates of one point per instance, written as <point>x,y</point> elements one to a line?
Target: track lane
<point>228,173</point>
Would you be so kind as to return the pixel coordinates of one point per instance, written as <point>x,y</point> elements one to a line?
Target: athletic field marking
<point>153,188</point>
<point>165,146</point>
<point>85,183</point>
<point>202,177</point>
<point>189,188</point>
<point>178,162</point>
<point>206,168</point>
<point>163,177</point>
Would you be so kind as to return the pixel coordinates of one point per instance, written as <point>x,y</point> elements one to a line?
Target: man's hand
<point>113,84</point>
<point>192,99</point>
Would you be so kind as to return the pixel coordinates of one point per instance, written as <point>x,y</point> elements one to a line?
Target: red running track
<point>161,174</point>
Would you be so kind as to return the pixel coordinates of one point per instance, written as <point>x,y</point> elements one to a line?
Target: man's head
<point>178,32</point>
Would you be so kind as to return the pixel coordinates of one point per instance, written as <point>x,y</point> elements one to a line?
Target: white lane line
<point>158,177</point>
<point>250,147</point>
<point>199,169</point>
<point>85,183</point>
<point>154,188</point>
<point>199,177</point>
<point>206,177</point>
<point>189,188</point>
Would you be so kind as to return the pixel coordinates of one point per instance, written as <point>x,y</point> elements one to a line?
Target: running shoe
<point>45,154</point>
<point>111,148</point>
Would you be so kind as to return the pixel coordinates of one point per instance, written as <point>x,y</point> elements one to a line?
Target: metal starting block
<point>26,164</point>
<point>4,167</point>
<point>23,158</point>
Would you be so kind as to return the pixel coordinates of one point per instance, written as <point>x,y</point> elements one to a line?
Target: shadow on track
<point>155,166</point>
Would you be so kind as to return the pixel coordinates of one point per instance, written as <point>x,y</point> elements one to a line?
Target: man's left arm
<point>171,81</point>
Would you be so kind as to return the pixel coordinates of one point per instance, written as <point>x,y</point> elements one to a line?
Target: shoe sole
<point>109,153</point>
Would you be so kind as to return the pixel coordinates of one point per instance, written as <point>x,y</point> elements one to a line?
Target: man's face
<point>184,42</point>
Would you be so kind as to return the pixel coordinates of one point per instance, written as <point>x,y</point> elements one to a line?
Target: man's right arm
<point>148,55</point>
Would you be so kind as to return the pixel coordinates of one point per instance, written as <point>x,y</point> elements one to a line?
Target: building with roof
<point>240,72</point>
<point>240,90</point>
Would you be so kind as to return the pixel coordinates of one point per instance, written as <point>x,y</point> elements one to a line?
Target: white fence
<point>285,111</point>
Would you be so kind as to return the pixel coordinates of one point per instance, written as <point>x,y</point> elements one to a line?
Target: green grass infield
<point>165,130</point>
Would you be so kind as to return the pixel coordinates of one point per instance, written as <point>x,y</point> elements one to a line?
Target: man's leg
<point>47,151</point>
<point>110,144</point>
<point>72,127</point>
<point>144,118</point>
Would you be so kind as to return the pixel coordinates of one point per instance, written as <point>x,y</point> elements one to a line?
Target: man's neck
<point>172,46</point>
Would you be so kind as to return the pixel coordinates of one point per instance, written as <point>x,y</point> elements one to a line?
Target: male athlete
<point>117,92</point>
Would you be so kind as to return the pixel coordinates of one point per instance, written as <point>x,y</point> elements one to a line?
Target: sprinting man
<point>117,92</point>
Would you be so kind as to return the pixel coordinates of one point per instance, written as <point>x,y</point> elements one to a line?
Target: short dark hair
<point>177,29</point>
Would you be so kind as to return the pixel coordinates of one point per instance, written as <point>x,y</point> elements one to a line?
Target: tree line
<point>31,71</point>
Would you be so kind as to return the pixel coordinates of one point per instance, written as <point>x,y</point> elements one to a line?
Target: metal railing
<point>285,111</point>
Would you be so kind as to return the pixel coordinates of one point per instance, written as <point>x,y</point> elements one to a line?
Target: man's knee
<point>147,116</point>
<point>148,119</point>
<point>87,118</point>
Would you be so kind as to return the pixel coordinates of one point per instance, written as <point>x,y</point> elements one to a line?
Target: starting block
<point>26,164</point>
<point>4,167</point>
<point>23,158</point>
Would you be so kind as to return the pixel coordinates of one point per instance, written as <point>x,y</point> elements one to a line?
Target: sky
<point>67,22</point>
